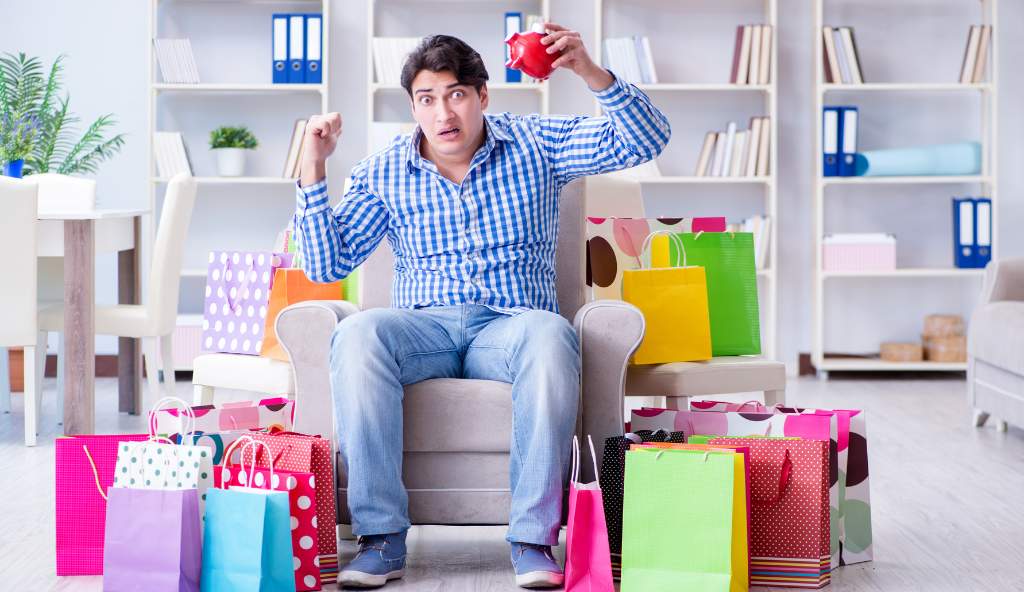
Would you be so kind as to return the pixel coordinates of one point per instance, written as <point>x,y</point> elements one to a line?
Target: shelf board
<point>705,87</point>
<point>906,87</point>
<point>875,364</point>
<point>670,180</point>
<point>525,86</point>
<point>239,88</point>
<point>920,272</point>
<point>918,180</point>
<point>236,180</point>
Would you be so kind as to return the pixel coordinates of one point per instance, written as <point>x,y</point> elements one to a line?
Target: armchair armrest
<point>609,332</point>
<point>304,330</point>
<point>1004,280</point>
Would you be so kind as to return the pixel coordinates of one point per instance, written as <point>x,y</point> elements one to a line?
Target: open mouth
<point>449,133</point>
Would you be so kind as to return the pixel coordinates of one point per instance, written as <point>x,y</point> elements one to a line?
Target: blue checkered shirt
<point>491,239</point>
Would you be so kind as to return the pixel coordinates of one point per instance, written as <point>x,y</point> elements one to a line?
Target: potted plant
<point>36,126</point>
<point>230,144</point>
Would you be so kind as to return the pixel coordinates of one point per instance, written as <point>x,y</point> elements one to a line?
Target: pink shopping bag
<point>588,566</point>
<point>84,472</point>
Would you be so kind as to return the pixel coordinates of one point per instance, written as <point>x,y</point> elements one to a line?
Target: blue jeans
<point>378,351</point>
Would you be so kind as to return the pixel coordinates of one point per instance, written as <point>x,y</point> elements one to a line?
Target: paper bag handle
<point>95,473</point>
<point>674,237</point>
<point>185,411</point>
<point>576,460</point>
<point>784,475</point>
<point>251,480</point>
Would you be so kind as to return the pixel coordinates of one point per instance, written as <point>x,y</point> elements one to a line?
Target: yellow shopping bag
<point>674,301</point>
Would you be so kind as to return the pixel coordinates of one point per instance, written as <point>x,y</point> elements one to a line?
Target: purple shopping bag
<point>238,287</point>
<point>152,540</point>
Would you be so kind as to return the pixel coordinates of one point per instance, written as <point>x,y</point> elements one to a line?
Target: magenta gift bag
<point>84,471</point>
<point>237,292</point>
<point>152,540</point>
<point>588,565</point>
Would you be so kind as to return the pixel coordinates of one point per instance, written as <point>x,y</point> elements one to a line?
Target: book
<point>978,75</point>
<point>832,72</point>
<point>750,168</point>
<point>754,70</point>
<point>736,51</point>
<point>764,150</point>
<point>291,163</point>
<point>171,155</point>
<point>718,158</point>
<point>844,66</point>
<point>706,151</point>
<point>730,141</point>
<point>764,70</point>
<point>738,147</point>
<point>970,55</point>
<point>389,55</point>
<point>744,56</point>
<point>851,55</point>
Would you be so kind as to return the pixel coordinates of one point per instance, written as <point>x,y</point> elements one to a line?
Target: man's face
<point>450,114</point>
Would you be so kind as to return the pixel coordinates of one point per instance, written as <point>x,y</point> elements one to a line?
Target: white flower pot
<point>230,161</point>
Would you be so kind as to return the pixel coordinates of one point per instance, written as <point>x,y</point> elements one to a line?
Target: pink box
<point>859,253</point>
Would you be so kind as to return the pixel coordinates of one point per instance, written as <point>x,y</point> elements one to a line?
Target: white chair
<point>18,301</point>
<point>254,374</point>
<point>154,320</point>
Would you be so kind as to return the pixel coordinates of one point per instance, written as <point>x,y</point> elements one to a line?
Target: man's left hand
<point>574,56</point>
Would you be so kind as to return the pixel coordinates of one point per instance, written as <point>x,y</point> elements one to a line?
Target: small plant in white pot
<point>230,144</point>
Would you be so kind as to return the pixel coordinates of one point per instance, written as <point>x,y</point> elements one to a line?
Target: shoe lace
<point>543,549</point>
<point>370,543</point>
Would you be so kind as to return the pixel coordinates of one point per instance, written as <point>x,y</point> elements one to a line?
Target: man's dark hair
<point>438,53</point>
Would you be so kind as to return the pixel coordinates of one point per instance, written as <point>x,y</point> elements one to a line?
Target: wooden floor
<point>947,499</point>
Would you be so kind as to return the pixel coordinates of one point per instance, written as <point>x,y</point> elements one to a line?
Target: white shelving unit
<point>662,92</point>
<point>213,189</point>
<point>495,86</point>
<point>986,183</point>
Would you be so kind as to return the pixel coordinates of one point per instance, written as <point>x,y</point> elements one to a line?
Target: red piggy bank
<point>529,55</point>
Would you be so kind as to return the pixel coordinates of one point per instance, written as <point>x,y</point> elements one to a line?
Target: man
<point>469,203</point>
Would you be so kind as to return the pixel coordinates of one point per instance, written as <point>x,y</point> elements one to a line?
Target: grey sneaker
<point>381,558</point>
<point>535,566</point>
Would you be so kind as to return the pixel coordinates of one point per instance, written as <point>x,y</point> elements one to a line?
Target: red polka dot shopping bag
<point>290,451</point>
<point>301,489</point>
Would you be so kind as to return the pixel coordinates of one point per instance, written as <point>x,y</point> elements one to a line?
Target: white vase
<point>230,161</point>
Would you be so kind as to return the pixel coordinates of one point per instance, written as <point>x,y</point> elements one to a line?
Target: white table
<point>77,236</point>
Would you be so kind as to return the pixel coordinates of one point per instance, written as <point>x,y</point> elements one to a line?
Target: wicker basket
<point>902,352</point>
<point>938,325</point>
<point>945,349</point>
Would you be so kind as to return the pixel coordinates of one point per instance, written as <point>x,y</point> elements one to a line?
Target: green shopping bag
<point>677,522</point>
<point>728,262</point>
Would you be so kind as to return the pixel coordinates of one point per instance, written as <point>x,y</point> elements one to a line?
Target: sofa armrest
<point>609,332</point>
<point>304,330</point>
<point>1004,280</point>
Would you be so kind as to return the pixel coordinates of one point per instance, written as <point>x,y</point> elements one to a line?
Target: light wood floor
<point>947,499</point>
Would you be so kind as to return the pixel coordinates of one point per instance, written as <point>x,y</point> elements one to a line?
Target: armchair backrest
<point>377,272</point>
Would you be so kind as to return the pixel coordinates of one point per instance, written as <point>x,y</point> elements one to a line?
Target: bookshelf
<point>744,196</point>
<point>234,67</point>
<point>388,103</point>
<point>926,280</point>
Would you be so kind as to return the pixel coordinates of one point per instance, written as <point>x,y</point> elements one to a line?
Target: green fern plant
<point>43,123</point>
<point>232,137</point>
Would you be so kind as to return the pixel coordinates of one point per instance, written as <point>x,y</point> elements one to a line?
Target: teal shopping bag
<point>248,545</point>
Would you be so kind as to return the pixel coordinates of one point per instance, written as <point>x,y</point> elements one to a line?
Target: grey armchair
<point>457,431</point>
<point>995,346</point>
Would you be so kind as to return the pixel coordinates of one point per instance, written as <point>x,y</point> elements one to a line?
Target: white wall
<point>106,72</point>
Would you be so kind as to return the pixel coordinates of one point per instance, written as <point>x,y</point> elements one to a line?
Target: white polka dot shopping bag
<point>238,285</point>
<point>301,490</point>
<point>159,463</point>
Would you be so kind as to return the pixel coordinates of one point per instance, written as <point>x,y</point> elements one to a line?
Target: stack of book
<point>752,56</point>
<point>972,71</point>
<point>389,55</point>
<point>760,226</point>
<point>732,153</point>
<point>176,62</point>
<point>296,48</point>
<point>170,154</point>
<point>841,60</point>
<point>631,59</point>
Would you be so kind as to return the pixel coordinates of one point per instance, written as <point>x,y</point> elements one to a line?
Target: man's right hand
<point>318,143</point>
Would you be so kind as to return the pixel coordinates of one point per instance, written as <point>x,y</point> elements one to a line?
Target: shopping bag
<point>746,407</point>
<point>238,288</point>
<point>275,414</point>
<point>678,521</point>
<point>614,244</point>
<point>613,471</point>
<point>588,565</point>
<point>301,491</point>
<point>674,302</point>
<point>159,463</point>
<point>152,540</point>
<point>308,454</point>
<point>247,545</point>
<point>728,262</point>
<point>84,470</point>
<point>790,517</point>
<point>291,286</point>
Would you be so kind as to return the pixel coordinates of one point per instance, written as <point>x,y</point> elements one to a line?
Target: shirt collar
<point>496,132</point>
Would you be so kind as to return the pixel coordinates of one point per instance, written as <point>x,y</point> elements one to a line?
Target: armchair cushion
<point>996,335</point>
